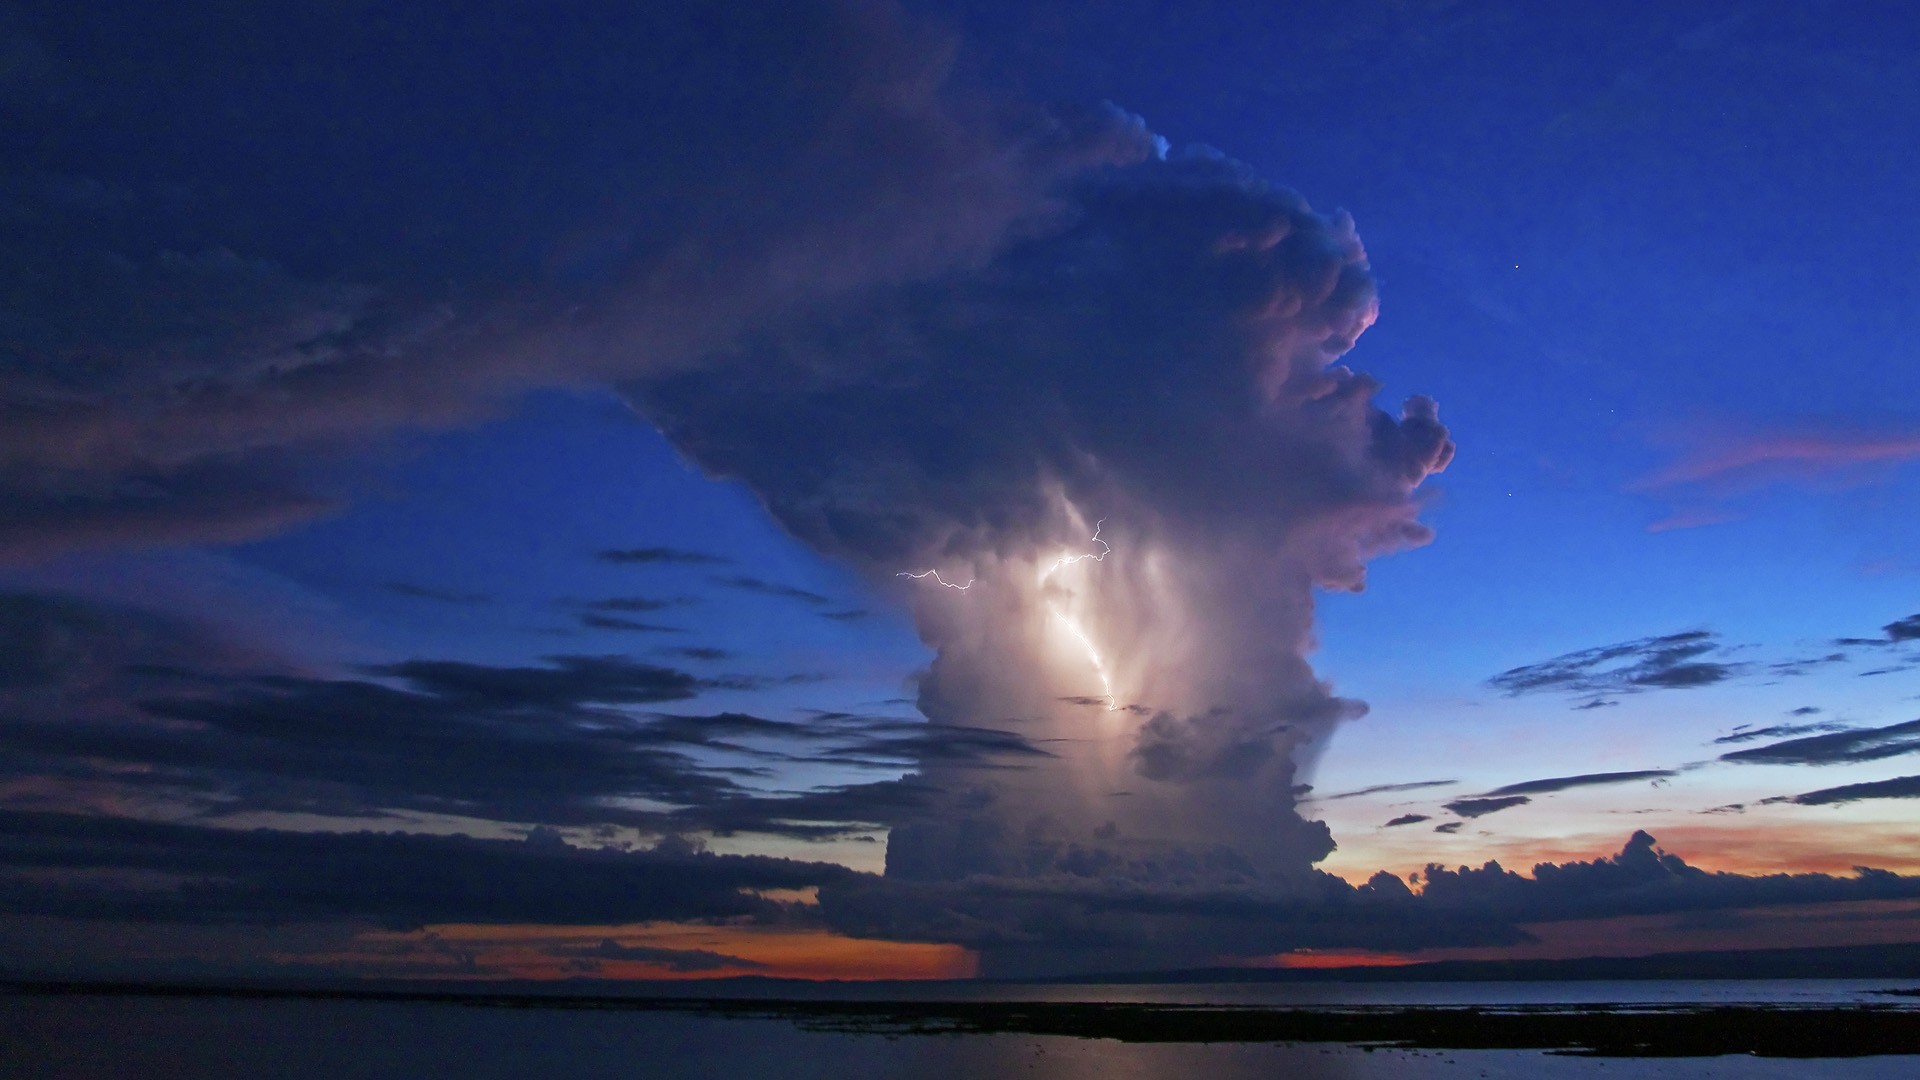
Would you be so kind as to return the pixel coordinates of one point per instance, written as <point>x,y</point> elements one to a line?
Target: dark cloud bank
<point>549,745</point>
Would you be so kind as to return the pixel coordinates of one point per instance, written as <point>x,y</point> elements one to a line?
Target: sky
<point>900,490</point>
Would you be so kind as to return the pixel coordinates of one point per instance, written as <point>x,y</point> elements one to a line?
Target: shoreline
<point>1586,1030</point>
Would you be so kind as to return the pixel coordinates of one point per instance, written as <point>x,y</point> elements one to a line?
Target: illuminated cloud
<point>1128,435</point>
<point>1773,457</point>
<point>1710,480</point>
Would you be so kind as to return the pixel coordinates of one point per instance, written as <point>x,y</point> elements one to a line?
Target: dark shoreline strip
<point>1580,1030</point>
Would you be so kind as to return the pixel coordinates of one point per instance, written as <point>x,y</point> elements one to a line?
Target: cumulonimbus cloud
<point>1026,346</point>
<point>1129,437</point>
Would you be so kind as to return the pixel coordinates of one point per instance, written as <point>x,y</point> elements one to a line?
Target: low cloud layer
<point>1094,921</point>
<point>106,706</point>
<point>117,869</point>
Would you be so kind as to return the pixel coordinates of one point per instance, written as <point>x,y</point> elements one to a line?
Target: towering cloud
<point>934,330</point>
<point>1128,437</point>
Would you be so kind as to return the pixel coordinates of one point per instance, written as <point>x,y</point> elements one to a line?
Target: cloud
<point>1473,808</point>
<point>680,960</point>
<point>1768,458</point>
<point>1640,880</point>
<point>107,705</point>
<point>1406,819</point>
<point>1384,789</point>
<point>636,604</point>
<point>1840,747</point>
<point>1781,731</point>
<point>746,583</point>
<point>1668,662</point>
<point>1899,787</point>
<point>1563,783</point>
<point>1129,430</point>
<point>847,261</point>
<point>200,331</point>
<point>439,596</point>
<point>1806,664</point>
<point>698,652</point>
<point>595,621</point>
<point>199,874</point>
<point>1710,481</point>
<point>1896,632</point>
<point>1093,919</point>
<point>660,555</point>
<point>1450,827</point>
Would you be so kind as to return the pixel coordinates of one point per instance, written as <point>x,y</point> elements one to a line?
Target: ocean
<point>148,1036</point>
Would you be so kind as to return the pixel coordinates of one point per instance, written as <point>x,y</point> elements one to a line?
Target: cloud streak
<point>1668,662</point>
<point>1837,748</point>
<point>1565,783</point>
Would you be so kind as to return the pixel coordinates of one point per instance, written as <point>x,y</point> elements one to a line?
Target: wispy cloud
<point>1706,482</point>
<point>746,583</point>
<point>1385,789</point>
<point>1765,458</point>
<point>1900,787</point>
<point>441,596</point>
<point>1668,662</point>
<point>668,555</point>
<point>593,621</point>
<point>1842,747</point>
<point>1781,731</point>
<point>1563,783</point>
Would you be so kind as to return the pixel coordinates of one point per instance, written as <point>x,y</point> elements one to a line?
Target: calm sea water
<point>124,1038</point>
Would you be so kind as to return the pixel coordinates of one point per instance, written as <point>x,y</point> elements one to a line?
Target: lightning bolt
<point>935,575</point>
<point>1073,627</point>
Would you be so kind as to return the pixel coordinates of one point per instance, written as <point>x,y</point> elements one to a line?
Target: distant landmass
<point>1891,962</point>
<point>1840,962</point>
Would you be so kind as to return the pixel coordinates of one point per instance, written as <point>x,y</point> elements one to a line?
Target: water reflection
<point>42,1038</point>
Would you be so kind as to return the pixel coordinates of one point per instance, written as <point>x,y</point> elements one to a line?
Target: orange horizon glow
<point>539,953</point>
<point>1322,959</point>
